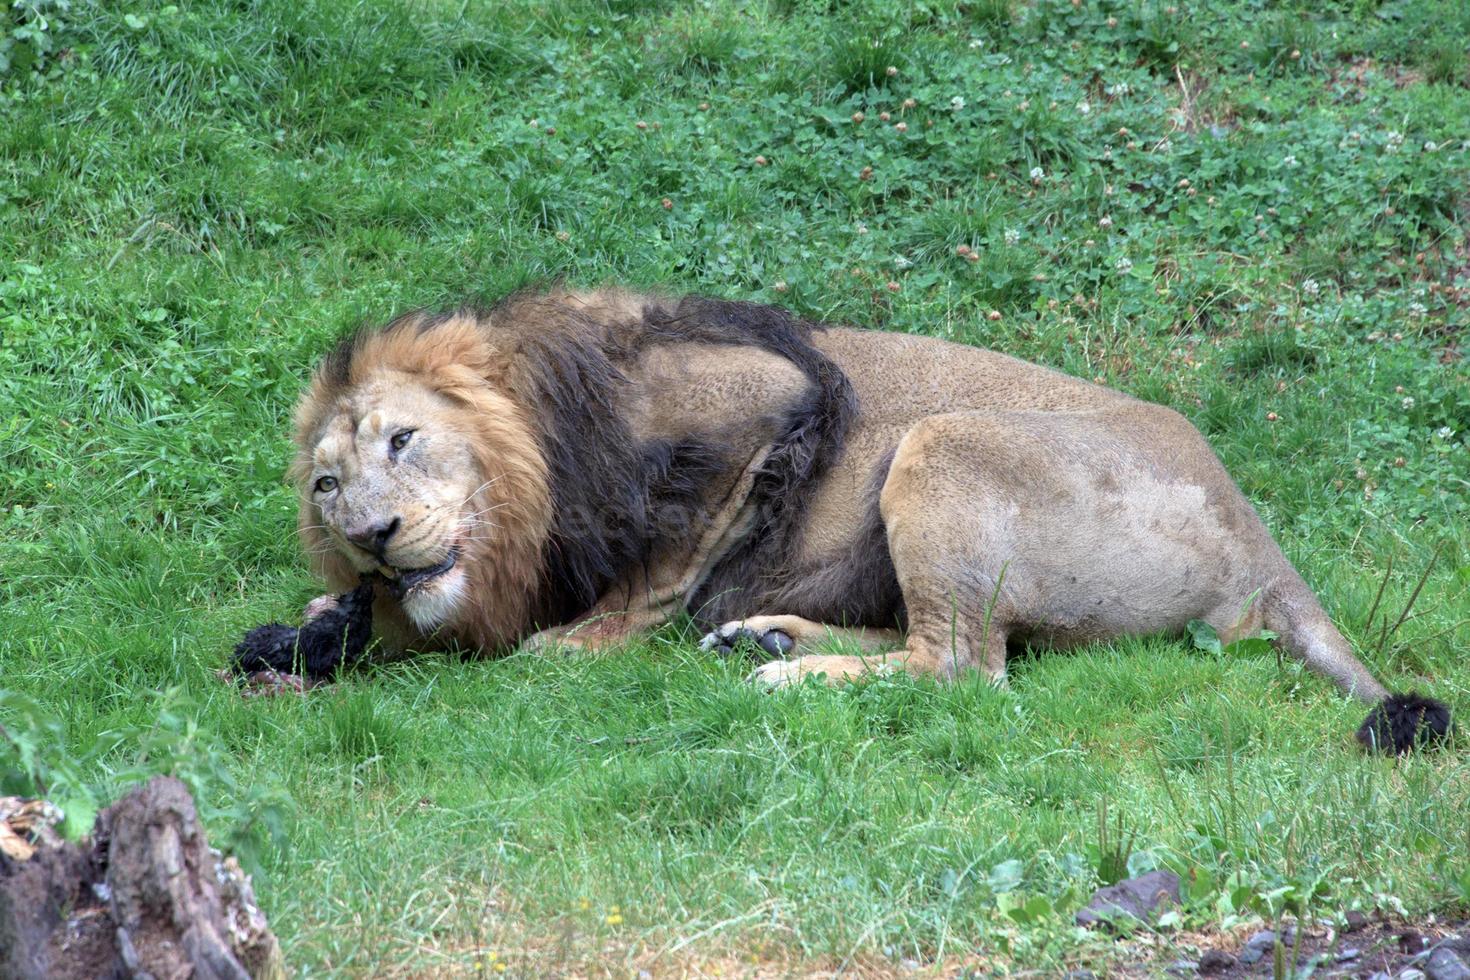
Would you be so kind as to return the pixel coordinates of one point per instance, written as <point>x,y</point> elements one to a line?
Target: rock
<point>143,896</point>
<point>1135,898</point>
<point>1411,974</point>
<point>1258,946</point>
<point>1080,975</point>
<point>1348,953</point>
<point>1353,921</point>
<point>1446,964</point>
<point>1182,968</point>
<point>1215,961</point>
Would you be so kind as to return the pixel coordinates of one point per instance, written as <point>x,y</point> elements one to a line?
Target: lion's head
<point>414,459</point>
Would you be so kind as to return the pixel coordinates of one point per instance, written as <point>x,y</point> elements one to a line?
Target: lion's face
<point>416,458</point>
<point>397,488</point>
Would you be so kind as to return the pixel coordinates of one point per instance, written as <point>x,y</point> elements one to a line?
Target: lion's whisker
<point>484,486</point>
<point>487,510</point>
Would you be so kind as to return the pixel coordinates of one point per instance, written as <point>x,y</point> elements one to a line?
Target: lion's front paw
<point>832,670</point>
<point>777,674</point>
<point>552,640</point>
<point>318,607</point>
<point>728,638</point>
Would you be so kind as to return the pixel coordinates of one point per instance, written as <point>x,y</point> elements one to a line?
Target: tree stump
<point>144,897</point>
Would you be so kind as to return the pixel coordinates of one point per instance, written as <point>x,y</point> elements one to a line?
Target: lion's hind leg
<point>947,538</point>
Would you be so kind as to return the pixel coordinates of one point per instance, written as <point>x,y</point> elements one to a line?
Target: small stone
<point>1215,961</point>
<point>1079,975</point>
<point>1182,968</point>
<point>1135,898</point>
<point>1411,974</point>
<point>1445,964</point>
<point>1348,953</point>
<point>1257,946</point>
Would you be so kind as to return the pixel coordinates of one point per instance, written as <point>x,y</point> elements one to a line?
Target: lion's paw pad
<point>729,638</point>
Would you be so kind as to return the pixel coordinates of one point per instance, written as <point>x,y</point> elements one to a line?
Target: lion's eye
<point>326,484</point>
<point>400,439</point>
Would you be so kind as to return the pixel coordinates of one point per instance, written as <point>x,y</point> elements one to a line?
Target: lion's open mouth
<point>409,579</point>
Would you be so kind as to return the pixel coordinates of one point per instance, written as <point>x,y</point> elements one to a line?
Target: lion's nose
<point>373,538</point>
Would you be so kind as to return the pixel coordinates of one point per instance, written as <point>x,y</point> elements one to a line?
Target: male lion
<point>590,464</point>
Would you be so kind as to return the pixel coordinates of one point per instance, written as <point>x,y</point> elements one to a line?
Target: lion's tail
<point>1398,722</point>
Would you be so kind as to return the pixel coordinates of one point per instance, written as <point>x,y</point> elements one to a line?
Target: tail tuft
<point>1401,722</point>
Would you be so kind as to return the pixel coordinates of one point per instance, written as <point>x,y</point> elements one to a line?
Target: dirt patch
<point>144,895</point>
<point>1361,948</point>
<point>1354,78</point>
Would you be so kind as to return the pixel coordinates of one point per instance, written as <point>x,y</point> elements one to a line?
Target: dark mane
<point>613,496</point>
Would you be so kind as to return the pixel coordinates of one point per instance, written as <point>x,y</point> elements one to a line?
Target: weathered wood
<point>143,897</point>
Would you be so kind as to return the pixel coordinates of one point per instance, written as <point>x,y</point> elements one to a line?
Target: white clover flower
<point>977,43</point>
<point>1417,309</point>
<point>1393,141</point>
<point>1037,173</point>
<point>1408,402</point>
<point>1107,153</point>
<point>1165,146</point>
<point>1310,287</point>
<point>1012,236</point>
<point>956,104</point>
<point>1106,221</point>
<point>1290,160</point>
<point>1084,108</point>
<point>901,263</point>
<point>862,229</point>
<point>1444,432</point>
<point>1430,146</point>
<point>1124,265</point>
<point>1117,89</point>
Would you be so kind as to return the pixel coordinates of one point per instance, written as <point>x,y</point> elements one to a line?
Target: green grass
<point>195,199</point>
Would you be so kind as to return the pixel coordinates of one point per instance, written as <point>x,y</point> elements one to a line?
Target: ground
<point>1253,213</point>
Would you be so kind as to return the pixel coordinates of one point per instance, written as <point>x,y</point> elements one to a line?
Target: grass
<point>195,199</point>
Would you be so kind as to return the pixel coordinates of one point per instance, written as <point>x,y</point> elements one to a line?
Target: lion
<point>568,469</point>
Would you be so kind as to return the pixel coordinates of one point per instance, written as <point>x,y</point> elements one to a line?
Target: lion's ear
<point>457,354</point>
